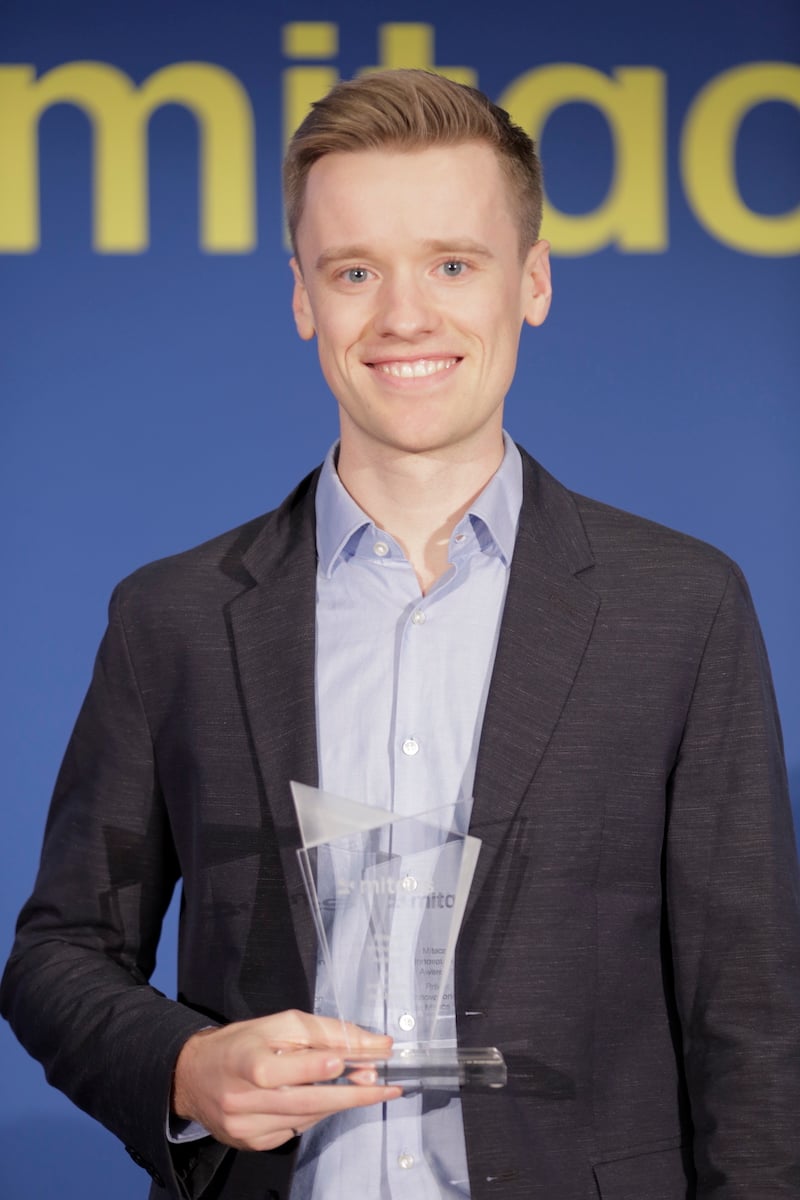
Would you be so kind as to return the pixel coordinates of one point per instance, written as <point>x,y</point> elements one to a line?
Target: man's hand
<point>244,1082</point>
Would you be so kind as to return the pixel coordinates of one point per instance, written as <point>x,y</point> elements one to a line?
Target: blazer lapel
<point>547,622</point>
<point>273,627</point>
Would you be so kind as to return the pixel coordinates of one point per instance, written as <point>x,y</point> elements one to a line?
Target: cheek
<point>340,328</point>
<point>491,317</point>
<point>338,358</point>
<point>499,333</point>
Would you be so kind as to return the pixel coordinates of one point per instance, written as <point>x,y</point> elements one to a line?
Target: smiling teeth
<point>418,369</point>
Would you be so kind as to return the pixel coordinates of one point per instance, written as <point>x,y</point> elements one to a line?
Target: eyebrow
<point>338,254</point>
<point>430,245</point>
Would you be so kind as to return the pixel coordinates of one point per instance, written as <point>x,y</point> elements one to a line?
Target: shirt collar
<point>498,505</point>
<point>494,513</point>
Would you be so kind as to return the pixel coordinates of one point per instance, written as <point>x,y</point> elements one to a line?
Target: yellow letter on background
<point>634,213</point>
<point>400,44</point>
<point>408,44</point>
<point>302,86</point>
<point>708,158</point>
<point>119,112</point>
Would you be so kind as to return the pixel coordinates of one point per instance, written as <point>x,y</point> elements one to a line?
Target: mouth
<point>418,368</point>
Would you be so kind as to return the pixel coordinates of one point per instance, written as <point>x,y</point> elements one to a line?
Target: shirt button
<point>418,618</point>
<point>408,883</point>
<point>410,747</point>
<point>406,1022</point>
<point>404,1161</point>
<point>381,549</point>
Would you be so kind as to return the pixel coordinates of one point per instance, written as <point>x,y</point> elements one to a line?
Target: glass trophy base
<point>434,1068</point>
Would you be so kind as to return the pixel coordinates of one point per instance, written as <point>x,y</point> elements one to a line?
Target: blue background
<point>150,401</point>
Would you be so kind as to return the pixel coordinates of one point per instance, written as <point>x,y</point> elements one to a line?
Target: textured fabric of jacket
<point>632,940</point>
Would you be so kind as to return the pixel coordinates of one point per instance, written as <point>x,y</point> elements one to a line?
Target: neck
<point>418,498</point>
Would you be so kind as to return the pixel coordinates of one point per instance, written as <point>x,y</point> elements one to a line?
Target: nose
<point>405,308</point>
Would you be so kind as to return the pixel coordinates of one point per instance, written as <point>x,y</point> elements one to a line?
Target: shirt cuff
<point>179,1130</point>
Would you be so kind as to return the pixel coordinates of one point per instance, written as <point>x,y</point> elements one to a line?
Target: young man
<point>430,615</point>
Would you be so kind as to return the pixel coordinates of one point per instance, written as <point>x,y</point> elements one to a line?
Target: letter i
<point>303,85</point>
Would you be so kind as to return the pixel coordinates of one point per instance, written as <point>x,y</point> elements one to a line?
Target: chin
<point>426,442</point>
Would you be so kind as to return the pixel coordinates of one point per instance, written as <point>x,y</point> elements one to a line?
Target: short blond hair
<point>410,110</point>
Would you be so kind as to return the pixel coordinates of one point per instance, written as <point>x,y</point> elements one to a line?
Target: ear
<point>538,290</point>
<point>301,305</point>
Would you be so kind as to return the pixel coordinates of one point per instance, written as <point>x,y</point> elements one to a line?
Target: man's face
<point>410,276</point>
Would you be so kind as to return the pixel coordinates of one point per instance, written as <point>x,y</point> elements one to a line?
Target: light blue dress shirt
<point>401,687</point>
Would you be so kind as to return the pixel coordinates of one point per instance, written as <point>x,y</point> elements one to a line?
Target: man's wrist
<point>181,1104</point>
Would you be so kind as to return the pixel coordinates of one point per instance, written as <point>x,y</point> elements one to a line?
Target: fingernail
<point>334,1065</point>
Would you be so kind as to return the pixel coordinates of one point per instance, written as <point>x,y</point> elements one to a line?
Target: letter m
<point>119,113</point>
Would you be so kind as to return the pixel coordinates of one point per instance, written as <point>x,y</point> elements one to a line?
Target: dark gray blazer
<point>632,941</point>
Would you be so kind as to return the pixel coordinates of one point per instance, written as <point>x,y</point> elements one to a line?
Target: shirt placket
<point>411,748</point>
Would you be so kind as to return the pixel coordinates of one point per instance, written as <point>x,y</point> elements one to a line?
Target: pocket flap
<point>655,1175</point>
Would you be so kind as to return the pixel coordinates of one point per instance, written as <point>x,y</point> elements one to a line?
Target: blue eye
<point>453,268</point>
<point>356,274</point>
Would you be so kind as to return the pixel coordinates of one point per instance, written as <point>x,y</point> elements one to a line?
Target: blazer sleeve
<point>76,989</point>
<point>734,918</point>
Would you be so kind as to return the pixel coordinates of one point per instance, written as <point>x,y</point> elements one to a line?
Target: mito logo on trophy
<point>388,894</point>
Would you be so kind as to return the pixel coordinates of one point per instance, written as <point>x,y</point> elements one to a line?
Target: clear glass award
<point>388,895</point>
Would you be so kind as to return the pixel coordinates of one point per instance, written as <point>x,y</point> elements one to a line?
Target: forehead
<point>430,193</point>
